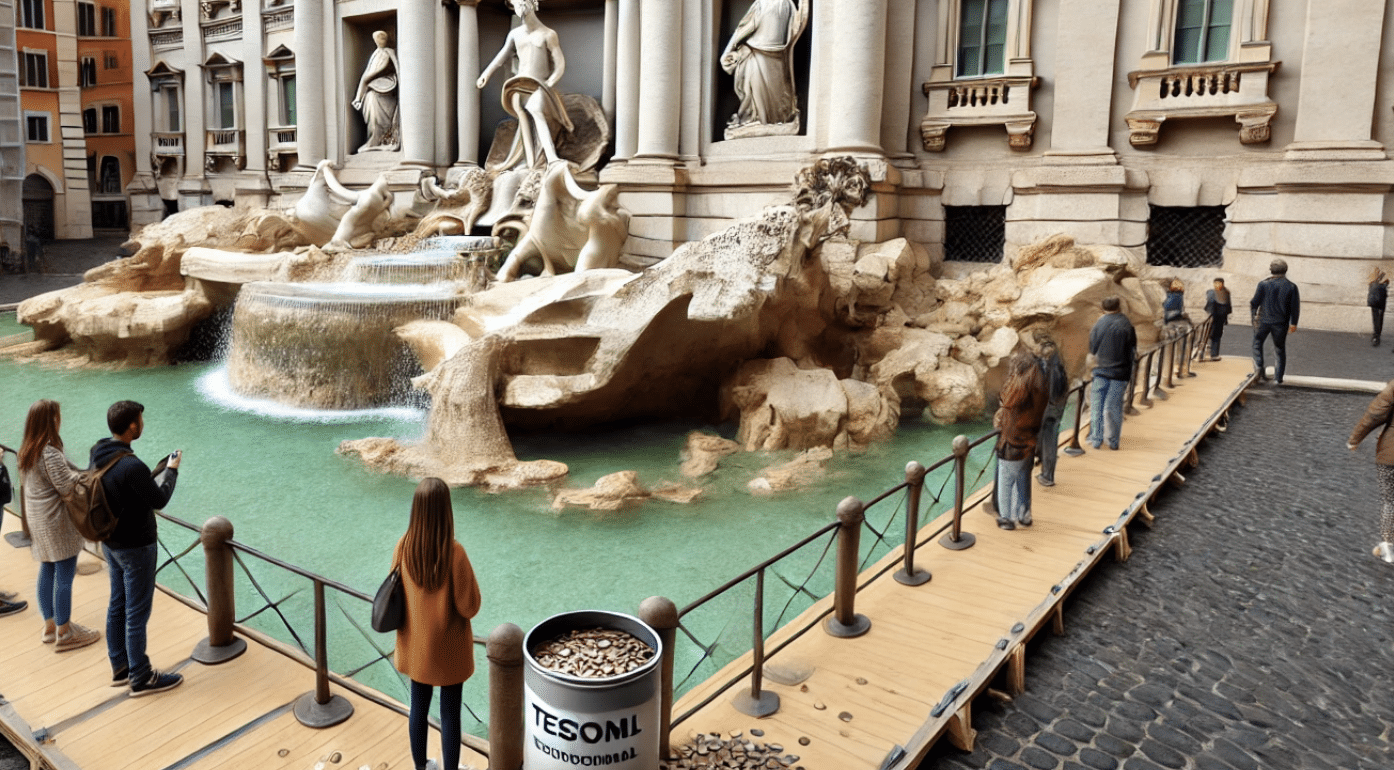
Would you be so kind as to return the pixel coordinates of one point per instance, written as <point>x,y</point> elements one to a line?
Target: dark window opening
<point>111,119</point>
<point>1186,236</point>
<point>86,20</point>
<point>975,233</point>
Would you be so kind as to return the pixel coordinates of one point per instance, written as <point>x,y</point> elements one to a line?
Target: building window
<point>1202,31</point>
<point>108,22</point>
<point>111,61</point>
<point>89,120</point>
<point>1186,236</point>
<point>975,233</point>
<point>86,20</point>
<point>226,116</point>
<point>31,14</point>
<point>111,119</point>
<point>109,183</point>
<point>170,94</point>
<point>982,37</point>
<point>35,70</point>
<point>36,127</point>
<point>288,101</point>
<point>109,215</point>
<point>87,72</point>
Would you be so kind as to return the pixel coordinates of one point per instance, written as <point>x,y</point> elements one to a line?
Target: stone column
<point>254,108</point>
<point>1334,104</point>
<point>1084,79</point>
<point>857,86</point>
<point>193,188</point>
<point>416,85</point>
<point>144,197</point>
<point>900,92</point>
<point>660,89</point>
<point>627,47</point>
<point>609,60</point>
<point>444,65</point>
<point>309,82</point>
<point>467,107</point>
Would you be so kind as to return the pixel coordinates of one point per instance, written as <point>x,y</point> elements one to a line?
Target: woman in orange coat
<point>435,646</point>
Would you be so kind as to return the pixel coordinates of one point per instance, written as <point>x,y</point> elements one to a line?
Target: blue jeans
<point>132,572</point>
<point>1048,441</point>
<point>418,724</point>
<point>1280,348</point>
<point>1014,489</point>
<point>56,589</point>
<point>1106,410</point>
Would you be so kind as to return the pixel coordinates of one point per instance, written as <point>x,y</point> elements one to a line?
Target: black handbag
<point>390,604</point>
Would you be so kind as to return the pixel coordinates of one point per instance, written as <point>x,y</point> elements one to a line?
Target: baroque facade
<point>75,83</point>
<point>1217,134</point>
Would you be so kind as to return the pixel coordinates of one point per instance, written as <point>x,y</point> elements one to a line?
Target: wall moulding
<point>1239,90</point>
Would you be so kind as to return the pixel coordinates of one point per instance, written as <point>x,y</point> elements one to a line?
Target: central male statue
<point>760,58</point>
<point>530,95</point>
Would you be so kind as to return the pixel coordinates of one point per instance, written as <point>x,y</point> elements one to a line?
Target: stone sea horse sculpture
<point>336,218</point>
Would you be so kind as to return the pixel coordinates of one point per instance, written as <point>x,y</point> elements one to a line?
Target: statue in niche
<point>760,56</point>
<point>376,98</point>
<point>530,95</point>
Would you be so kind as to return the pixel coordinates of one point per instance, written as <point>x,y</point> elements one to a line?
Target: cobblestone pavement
<point>1250,629</point>
<point>64,264</point>
<point>1321,354</point>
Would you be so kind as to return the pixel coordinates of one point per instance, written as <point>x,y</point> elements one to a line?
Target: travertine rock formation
<point>621,490</point>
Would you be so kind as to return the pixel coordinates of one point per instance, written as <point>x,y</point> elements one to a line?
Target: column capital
<point>462,3</point>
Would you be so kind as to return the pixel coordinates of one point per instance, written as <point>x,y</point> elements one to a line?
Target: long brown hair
<point>40,430</point>
<point>430,535</point>
<point>1023,378</point>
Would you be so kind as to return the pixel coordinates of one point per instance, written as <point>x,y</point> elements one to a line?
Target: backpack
<point>87,504</point>
<point>6,491</point>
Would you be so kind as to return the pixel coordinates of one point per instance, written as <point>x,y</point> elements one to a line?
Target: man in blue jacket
<point>1275,306</point>
<point>131,552</point>
<point>1113,343</point>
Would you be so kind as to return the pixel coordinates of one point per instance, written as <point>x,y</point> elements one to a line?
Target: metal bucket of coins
<point>591,690</point>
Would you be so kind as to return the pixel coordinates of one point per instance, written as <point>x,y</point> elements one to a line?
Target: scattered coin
<point>860,680</point>
<point>283,753</point>
<point>593,653</point>
<point>845,716</point>
<point>804,741</point>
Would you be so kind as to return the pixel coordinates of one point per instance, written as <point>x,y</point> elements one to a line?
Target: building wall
<point>11,137</point>
<point>114,87</point>
<point>1289,136</point>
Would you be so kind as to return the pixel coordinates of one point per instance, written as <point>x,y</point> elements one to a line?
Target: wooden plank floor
<point>233,716</point>
<point>894,686</point>
<point>929,650</point>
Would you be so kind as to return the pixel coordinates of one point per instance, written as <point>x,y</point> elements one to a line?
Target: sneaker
<point>1385,551</point>
<point>156,682</point>
<point>1045,482</point>
<point>121,678</point>
<point>1096,446</point>
<point>1005,523</point>
<point>10,608</point>
<point>49,634</point>
<point>8,596</point>
<point>1025,520</point>
<point>77,636</point>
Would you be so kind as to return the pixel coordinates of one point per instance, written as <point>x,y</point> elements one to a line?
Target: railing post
<point>320,708</point>
<point>845,622</point>
<point>506,717</point>
<point>1188,352</point>
<point>1128,407</point>
<point>1157,392</point>
<point>757,702</point>
<point>1074,449</point>
<point>957,539</point>
<point>1171,357</point>
<point>908,574</point>
<point>662,616</point>
<point>221,645</point>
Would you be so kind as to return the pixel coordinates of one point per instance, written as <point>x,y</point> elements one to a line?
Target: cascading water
<point>331,345</point>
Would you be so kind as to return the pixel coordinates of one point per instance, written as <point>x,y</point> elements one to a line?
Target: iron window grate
<point>975,233</point>
<point>1186,236</point>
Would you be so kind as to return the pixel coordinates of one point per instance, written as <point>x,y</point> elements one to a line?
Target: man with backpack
<point>131,551</point>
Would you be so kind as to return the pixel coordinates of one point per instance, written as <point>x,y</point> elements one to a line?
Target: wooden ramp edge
<point>882,700</point>
<point>60,711</point>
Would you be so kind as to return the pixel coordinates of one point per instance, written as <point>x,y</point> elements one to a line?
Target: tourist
<point>1058,394</point>
<point>1375,298</point>
<point>131,551</point>
<point>1113,343</point>
<point>1274,307</point>
<point>1378,415</point>
<point>48,475</point>
<point>1218,307</point>
<point>1174,306</point>
<point>10,602</point>
<point>435,646</point>
<point>1023,404</point>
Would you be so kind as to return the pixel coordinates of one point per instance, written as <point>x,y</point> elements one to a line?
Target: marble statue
<point>458,208</point>
<point>760,58</point>
<point>338,219</point>
<point>376,98</point>
<point>572,229</point>
<point>530,95</point>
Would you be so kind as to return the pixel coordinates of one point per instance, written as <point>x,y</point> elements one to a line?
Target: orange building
<point>74,60</point>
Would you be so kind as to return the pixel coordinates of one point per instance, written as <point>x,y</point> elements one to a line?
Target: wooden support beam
<point>1058,620</point>
<point>1121,548</point>
<point>1176,479</point>
<point>1016,670</point>
<point>1192,458</point>
<point>961,732</point>
<point>1144,515</point>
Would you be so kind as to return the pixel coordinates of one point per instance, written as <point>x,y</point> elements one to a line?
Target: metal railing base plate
<point>766,704</point>
<point>919,578</point>
<point>209,655</point>
<point>320,715</point>
<point>965,541</point>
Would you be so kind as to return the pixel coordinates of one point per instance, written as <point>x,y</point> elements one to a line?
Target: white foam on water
<point>215,386</point>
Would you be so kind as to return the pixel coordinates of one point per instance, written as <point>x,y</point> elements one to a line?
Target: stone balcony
<point>222,29</point>
<point>992,101</point>
<point>280,141</point>
<point>1238,89</point>
<point>168,144</point>
<point>165,39</point>
<point>229,143</point>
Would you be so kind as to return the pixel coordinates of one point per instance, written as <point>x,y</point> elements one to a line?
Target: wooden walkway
<point>905,683</point>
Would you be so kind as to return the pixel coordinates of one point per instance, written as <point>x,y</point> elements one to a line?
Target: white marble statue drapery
<point>531,95</point>
<point>759,56</point>
<point>376,98</point>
